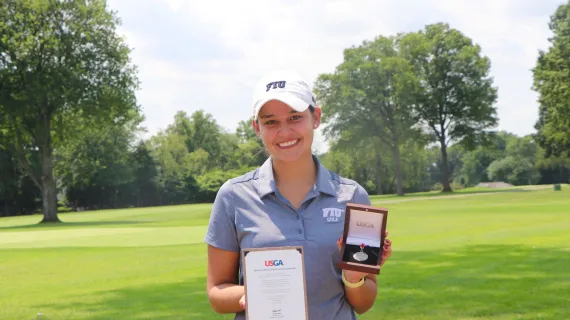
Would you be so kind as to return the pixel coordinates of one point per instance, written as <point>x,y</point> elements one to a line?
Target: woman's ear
<point>255,127</point>
<point>317,117</point>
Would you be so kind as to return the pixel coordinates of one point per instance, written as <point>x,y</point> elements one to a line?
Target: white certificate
<point>274,280</point>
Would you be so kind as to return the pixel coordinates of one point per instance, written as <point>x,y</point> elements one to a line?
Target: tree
<point>17,192</point>
<point>553,169</point>
<point>475,162</point>
<point>95,167</point>
<point>370,94</point>
<point>345,157</point>
<point>518,165</point>
<point>201,133</point>
<point>551,81</point>
<point>456,95</point>
<point>146,176</point>
<point>60,60</point>
<point>514,170</point>
<point>245,131</point>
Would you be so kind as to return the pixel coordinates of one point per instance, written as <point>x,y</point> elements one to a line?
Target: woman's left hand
<point>355,276</point>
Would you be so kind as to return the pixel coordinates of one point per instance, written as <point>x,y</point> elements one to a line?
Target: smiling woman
<point>288,201</point>
<point>286,145</point>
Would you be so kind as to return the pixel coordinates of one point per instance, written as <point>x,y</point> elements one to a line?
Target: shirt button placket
<point>301,227</point>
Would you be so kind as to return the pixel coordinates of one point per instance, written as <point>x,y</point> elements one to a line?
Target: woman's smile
<point>288,144</point>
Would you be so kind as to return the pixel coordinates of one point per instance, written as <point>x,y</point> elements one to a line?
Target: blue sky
<point>208,54</point>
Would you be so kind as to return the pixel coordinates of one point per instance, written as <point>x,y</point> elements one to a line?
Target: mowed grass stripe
<point>103,237</point>
<point>181,215</point>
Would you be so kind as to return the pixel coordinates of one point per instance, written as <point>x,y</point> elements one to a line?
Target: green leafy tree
<point>369,168</point>
<point>475,162</point>
<point>373,169</point>
<point>59,60</point>
<point>18,193</point>
<point>146,176</point>
<point>456,98</point>
<point>176,167</point>
<point>251,151</point>
<point>370,95</point>
<point>518,166</point>
<point>201,133</point>
<point>338,160</point>
<point>206,134</point>
<point>514,171</point>
<point>553,169</point>
<point>551,81</point>
<point>245,131</point>
<point>415,166</point>
<point>96,166</point>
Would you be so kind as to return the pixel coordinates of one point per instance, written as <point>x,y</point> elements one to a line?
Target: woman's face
<point>286,133</point>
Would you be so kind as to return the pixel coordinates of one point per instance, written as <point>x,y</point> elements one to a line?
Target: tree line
<point>404,113</point>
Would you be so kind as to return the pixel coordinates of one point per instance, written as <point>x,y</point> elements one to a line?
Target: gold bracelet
<point>350,284</point>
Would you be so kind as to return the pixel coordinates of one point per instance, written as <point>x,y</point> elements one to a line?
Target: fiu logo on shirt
<point>275,85</point>
<point>273,263</point>
<point>332,214</point>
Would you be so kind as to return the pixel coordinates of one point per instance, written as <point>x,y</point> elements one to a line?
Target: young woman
<point>285,202</point>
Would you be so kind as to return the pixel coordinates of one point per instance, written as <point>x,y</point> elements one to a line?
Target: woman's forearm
<point>225,298</point>
<point>362,298</point>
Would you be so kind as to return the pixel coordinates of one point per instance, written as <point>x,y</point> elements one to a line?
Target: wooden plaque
<point>363,238</point>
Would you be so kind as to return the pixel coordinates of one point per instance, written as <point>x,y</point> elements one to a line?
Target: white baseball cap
<point>285,86</point>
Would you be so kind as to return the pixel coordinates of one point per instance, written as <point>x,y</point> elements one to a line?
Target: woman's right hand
<point>222,285</point>
<point>242,302</point>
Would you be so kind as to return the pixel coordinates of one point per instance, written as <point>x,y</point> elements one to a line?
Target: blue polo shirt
<point>249,212</point>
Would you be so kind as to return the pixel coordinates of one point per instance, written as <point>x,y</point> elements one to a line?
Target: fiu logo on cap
<point>273,263</point>
<point>332,214</point>
<point>275,85</point>
<point>364,224</point>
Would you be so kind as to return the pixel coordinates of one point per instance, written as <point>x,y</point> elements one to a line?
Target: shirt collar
<point>266,179</point>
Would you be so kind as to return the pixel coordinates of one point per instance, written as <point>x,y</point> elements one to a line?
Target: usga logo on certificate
<point>273,263</point>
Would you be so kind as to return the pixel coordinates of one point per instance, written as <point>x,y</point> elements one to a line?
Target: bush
<point>63,209</point>
<point>210,182</point>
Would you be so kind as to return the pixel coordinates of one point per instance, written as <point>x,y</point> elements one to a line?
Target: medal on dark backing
<point>360,256</point>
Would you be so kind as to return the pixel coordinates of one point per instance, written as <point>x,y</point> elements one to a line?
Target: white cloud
<point>212,52</point>
<point>510,33</point>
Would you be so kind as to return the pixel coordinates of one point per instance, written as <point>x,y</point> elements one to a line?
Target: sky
<point>208,55</point>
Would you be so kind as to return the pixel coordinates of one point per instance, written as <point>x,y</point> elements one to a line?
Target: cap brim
<point>292,101</point>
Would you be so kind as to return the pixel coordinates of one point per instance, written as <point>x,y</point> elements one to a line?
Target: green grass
<point>503,255</point>
<point>458,192</point>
